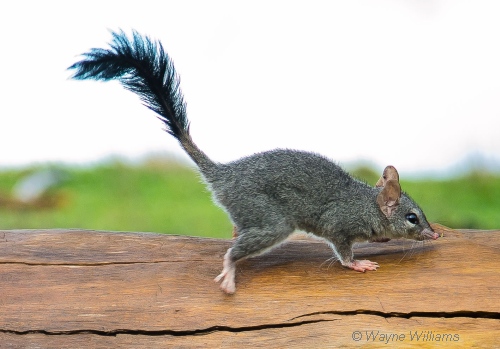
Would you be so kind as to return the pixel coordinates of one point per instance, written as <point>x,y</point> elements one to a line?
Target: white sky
<point>411,83</point>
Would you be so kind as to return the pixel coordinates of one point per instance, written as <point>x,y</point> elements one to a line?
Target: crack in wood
<point>198,332</point>
<point>428,314</point>
<point>209,330</point>
<point>97,264</point>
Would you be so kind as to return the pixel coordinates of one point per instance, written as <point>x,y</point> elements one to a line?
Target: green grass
<point>471,201</point>
<point>169,198</point>
<point>166,199</point>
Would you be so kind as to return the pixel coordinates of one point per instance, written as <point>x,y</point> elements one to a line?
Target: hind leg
<point>250,242</point>
<point>227,275</point>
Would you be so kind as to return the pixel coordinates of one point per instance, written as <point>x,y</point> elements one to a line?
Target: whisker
<point>405,251</point>
<point>331,261</point>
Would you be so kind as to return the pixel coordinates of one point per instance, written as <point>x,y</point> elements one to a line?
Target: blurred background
<point>411,83</point>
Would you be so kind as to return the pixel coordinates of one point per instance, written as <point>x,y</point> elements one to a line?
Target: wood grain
<point>78,288</point>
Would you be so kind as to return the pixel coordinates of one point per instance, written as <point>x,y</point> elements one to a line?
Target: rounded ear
<point>390,173</point>
<point>388,198</point>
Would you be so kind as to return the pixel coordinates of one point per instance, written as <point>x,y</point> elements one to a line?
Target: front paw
<point>362,265</point>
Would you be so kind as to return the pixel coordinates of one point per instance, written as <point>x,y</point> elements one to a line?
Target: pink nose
<point>429,234</point>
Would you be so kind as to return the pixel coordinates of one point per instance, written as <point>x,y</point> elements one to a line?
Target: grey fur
<point>271,194</point>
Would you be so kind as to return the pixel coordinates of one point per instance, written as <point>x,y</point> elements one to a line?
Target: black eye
<point>412,218</point>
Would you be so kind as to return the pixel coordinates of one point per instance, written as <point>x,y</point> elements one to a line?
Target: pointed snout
<point>429,234</point>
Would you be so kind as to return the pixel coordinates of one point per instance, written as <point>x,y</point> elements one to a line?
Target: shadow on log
<point>72,288</point>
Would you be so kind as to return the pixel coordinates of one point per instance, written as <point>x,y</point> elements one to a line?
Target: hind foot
<point>362,265</point>
<point>227,275</point>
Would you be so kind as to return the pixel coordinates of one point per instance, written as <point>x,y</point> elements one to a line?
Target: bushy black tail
<point>143,67</point>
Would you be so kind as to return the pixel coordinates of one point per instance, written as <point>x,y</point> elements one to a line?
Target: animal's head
<point>406,217</point>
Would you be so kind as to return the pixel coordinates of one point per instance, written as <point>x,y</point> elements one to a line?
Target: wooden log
<point>73,288</point>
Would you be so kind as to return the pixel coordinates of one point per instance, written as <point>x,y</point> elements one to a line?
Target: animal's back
<point>279,182</point>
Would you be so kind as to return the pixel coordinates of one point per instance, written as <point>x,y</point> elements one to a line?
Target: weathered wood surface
<point>91,289</point>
